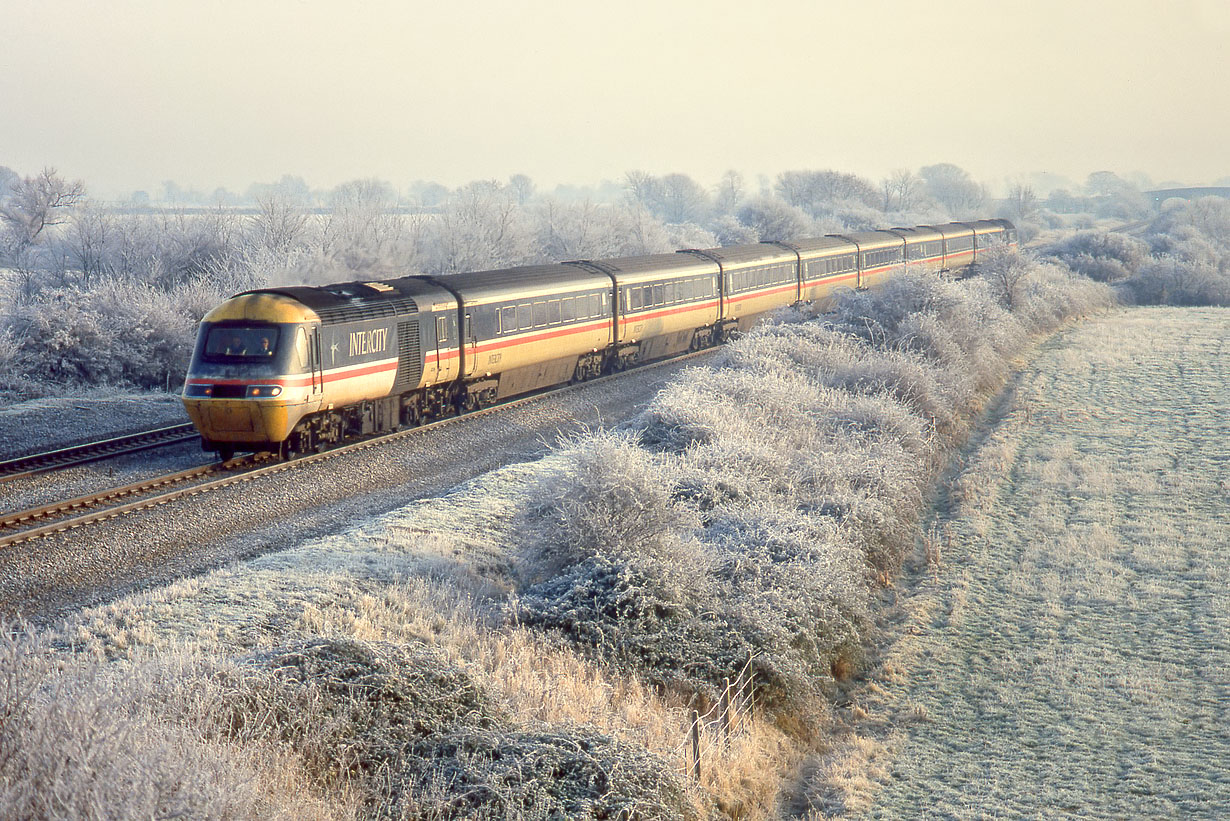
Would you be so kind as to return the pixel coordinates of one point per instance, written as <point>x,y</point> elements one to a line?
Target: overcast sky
<point>124,94</point>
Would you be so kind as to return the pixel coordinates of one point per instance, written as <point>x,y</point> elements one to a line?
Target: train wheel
<point>226,453</point>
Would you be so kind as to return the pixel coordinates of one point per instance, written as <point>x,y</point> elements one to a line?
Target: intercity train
<point>298,369</point>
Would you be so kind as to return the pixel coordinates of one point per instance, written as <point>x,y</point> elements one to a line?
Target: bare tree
<point>280,222</point>
<point>522,188</point>
<point>35,204</point>
<point>952,187</point>
<point>681,199</point>
<point>729,193</point>
<point>642,187</point>
<point>1006,271</point>
<point>480,227</point>
<point>1114,196</point>
<point>1022,202</point>
<point>818,192</point>
<point>902,190</point>
<point>88,239</point>
<point>362,226</point>
<point>773,219</point>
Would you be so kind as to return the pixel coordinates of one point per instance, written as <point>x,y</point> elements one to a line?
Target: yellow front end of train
<point>253,375</point>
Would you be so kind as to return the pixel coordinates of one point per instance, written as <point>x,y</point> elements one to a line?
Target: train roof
<point>652,266</point>
<point>952,229</point>
<point>528,281</point>
<point>919,234</point>
<point>871,240</point>
<point>733,257</point>
<point>819,246</point>
<point>364,299</point>
<point>985,226</point>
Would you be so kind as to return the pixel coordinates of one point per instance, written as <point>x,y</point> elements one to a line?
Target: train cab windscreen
<point>241,343</point>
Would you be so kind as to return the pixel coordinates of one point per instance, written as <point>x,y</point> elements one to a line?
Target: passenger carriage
<point>755,280</point>
<point>878,253</point>
<point>826,264</point>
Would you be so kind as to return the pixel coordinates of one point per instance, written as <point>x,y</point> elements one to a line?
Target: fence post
<point>696,745</point>
<point>726,717</point>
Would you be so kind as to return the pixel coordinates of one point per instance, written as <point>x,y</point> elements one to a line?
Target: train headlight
<point>199,391</point>
<point>263,391</point>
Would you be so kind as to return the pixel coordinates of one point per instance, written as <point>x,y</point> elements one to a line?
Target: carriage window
<point>596,302</point>
<point>553,312</point>
<point>540,314</point>
<point>568,311</point>
<point>525,316</point>
<point>659,295</point>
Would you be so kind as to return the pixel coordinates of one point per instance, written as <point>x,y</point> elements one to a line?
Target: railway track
<point>93,451</point>
<point>58,517</point>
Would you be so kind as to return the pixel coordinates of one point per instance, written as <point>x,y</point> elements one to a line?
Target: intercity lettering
<point>365,342</point>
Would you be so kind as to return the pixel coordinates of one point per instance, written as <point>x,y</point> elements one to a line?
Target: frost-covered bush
<point>1101,256</point>
<point>1191,256</point>
<point>959,326</point>
<point>416,736</point>
<point>111,333</point>
<point>1173,280</point>
<point>618,561</point>
<point>476,774</point>
<point>1051,294</point>
<point>611,499</point>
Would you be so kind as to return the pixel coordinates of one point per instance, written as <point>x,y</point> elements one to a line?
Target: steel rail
<point>93,451</point>
<point>59,510</point>
<point>245,475</point>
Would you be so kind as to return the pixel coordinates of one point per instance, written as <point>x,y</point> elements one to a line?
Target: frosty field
<point>1066,649</point>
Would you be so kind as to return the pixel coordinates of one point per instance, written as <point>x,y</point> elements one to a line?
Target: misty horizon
<point>221,96</point>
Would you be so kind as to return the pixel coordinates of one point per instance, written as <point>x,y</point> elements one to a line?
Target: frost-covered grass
<point>533,643</point>
<point>1068,656</point>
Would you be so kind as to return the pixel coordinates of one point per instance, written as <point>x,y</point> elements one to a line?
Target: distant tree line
<point>96,293</point>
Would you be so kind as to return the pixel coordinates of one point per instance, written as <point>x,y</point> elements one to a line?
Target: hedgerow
<point>751,511</point>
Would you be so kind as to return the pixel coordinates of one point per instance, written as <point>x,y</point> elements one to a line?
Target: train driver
<point>236,348</point>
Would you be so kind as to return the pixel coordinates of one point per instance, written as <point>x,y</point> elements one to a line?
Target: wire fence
<point>712,731</point>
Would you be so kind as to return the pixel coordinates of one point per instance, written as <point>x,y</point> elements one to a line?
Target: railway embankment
<point>579,611</point>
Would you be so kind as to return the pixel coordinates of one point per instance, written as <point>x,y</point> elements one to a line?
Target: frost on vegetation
<point>419,737</point>
<point>78,741</point>
<point>314,727</point>
<point>751,509</point>
<point>1183,257</point>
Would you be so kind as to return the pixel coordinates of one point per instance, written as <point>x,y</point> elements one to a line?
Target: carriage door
<point>441,345</point>
<point>471,343</point>
<point>314,361</point>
